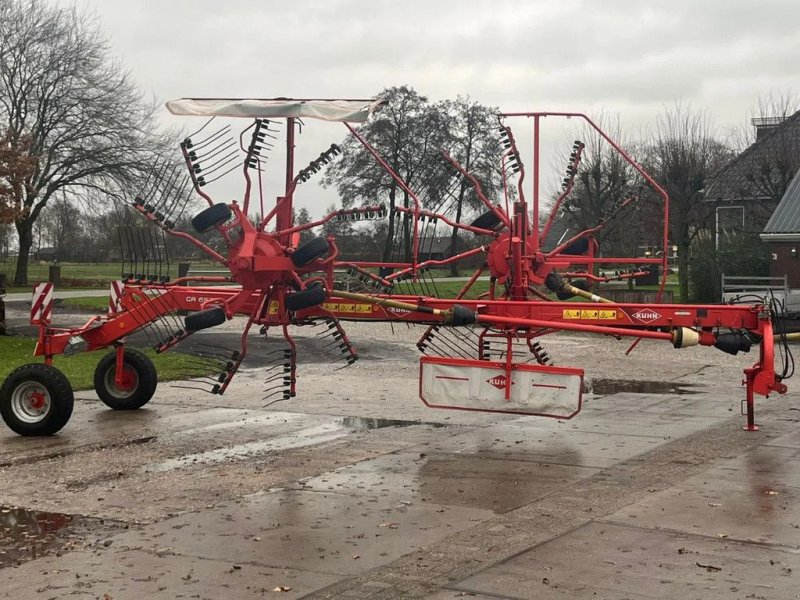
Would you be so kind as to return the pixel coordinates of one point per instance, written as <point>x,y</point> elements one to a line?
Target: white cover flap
<point>479,385</point>
<point>353,111</point>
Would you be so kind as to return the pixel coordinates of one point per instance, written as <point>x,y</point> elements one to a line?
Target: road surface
<point>355,490</point>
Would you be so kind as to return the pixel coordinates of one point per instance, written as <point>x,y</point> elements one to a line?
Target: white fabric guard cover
<point>352,111</point>
<point>473,386</point>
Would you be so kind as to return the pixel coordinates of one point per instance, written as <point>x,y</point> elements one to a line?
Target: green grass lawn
<point>443,288</point>
<point>79,275</point>
<point>97,304</point>
<point>79,369</point>
<point>88,272</point>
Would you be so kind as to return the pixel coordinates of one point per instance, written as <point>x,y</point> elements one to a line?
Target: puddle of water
<point>368,423</point>
<point>606,387</point>
<point>27,534</point>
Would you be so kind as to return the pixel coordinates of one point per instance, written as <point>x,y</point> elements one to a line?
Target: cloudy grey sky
<point>628,57</point>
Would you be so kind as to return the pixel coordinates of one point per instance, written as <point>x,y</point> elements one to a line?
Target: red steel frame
<point>260,262</point>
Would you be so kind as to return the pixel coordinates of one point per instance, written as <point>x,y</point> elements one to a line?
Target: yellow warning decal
<point>273,307</point>
<point>589,315</point>
<point>347,307</point>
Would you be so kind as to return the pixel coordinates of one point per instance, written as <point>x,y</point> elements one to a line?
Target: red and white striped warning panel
<point>42,304</point>
<point>491,387</point>
<point>114,296</point>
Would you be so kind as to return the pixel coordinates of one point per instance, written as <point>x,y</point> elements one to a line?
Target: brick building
<point>748,189</point>
<point>782,234</point>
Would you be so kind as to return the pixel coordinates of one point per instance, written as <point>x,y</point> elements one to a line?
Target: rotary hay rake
<point>480,354</point>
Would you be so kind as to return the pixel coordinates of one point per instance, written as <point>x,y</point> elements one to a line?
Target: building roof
<point>439,244</point>
<point>786,218</point>
<point>559,233</point>
<point>742,178</point>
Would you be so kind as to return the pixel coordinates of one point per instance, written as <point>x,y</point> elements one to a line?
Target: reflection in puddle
<point>499,485</point>
<point>27,533</point>
<point>605,387</point>
<point>310,436</point>
<point>367,423</point>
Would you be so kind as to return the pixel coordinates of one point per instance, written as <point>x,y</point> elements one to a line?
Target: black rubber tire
<point>45,380</point>
<point>211,217</point>
<point>143,388</point>
<point>313,295</point>
<point>203,319</point>
<point>577,248</point>
<point>309,250</point>
<point>582,284</point>
<point>488,220</point>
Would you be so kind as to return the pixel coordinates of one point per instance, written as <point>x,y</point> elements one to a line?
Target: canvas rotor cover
<point>352,111</point>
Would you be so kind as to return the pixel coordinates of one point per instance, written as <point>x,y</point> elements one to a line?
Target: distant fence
<point>734,284</point>
<point>186,270</point>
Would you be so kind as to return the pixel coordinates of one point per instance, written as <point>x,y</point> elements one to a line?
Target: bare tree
<point>408,133</point>
<point>61,227</point>
<point>683,151</point>
<point>474,143</point>
<point>603,182</point>
<point>87,122</point>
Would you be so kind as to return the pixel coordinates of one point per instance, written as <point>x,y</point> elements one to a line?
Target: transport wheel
<point>36,399</point>
<point>311,296</point>
<point>488,220</point>
<point>211,217</point>
<point>309,250</point>
<point>139,380</point>
<point>203,319</point>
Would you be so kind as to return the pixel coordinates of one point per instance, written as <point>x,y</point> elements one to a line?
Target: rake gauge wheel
<point>36,399</point>
<point>211,217</point>
<point>488,220</point>
<point>203,319</point>
<point>309,250</point>
<point>313,295</point>
<point>139,380</point>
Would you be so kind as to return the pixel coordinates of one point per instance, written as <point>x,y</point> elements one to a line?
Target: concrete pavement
<point>355,490</point>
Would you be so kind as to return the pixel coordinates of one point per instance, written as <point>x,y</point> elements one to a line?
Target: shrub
<point>743,255</point>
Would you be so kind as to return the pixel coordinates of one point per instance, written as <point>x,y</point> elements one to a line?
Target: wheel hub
<point>127,384</point>
<point>127,379</point>
<point>36,400</point>
<point>30,402</point>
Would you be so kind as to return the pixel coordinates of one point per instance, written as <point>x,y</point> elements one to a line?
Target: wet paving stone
<point>605,561</point>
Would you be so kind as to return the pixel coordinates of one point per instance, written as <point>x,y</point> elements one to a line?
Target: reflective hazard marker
<point>42,304</point>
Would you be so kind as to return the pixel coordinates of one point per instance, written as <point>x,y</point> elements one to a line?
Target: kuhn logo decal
<point>646,315</point>
<point>498,381</point>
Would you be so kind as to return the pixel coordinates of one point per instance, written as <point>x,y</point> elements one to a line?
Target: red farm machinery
<point>481,353</point>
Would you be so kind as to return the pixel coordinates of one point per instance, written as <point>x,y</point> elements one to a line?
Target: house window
<point>729,223</point>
